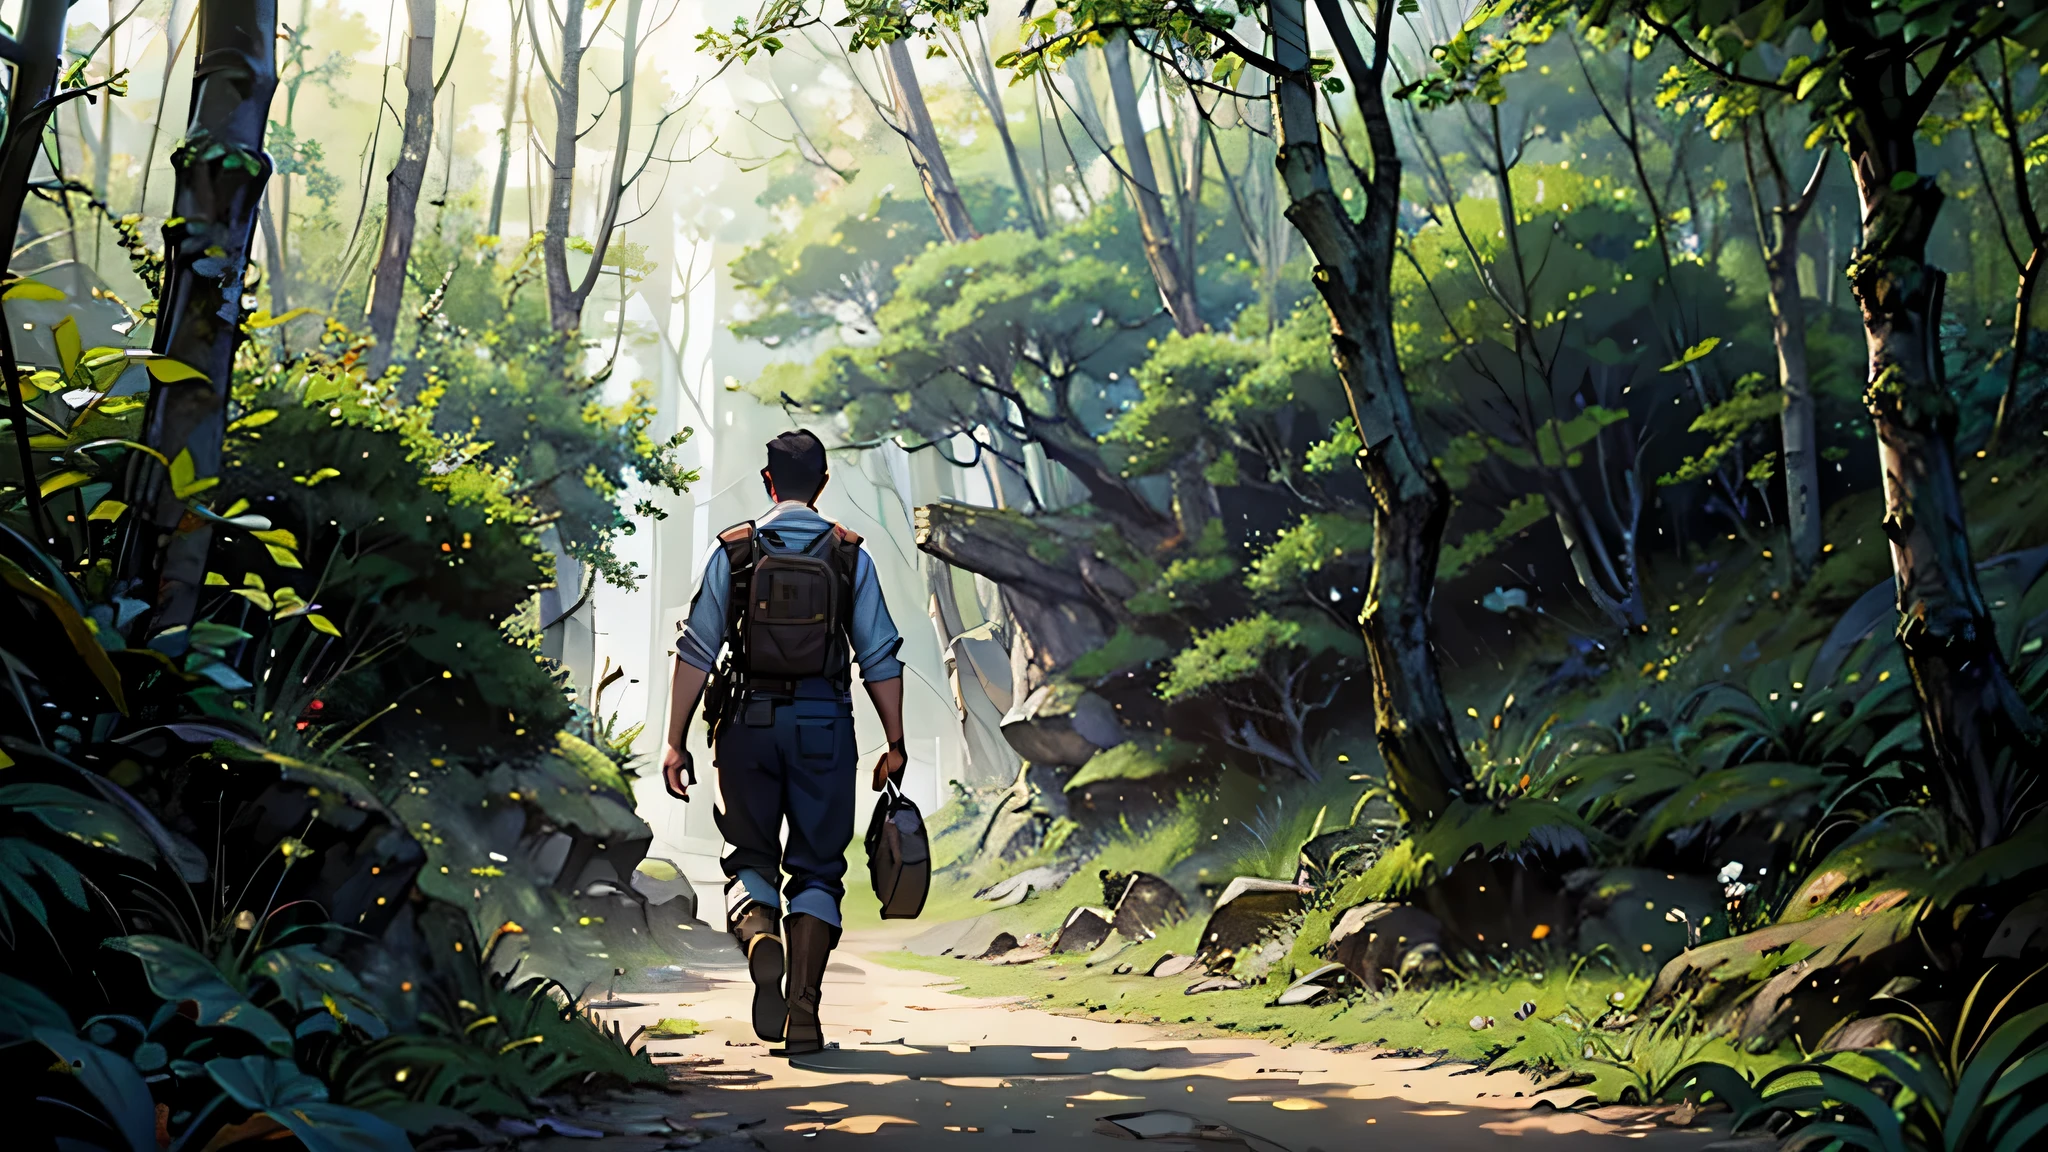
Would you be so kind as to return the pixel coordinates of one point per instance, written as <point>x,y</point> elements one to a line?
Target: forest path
<point>920,1067</point>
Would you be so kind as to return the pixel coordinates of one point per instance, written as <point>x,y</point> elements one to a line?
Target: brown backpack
<point>788,609</point>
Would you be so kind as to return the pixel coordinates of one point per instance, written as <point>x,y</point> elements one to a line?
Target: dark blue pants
<point>790,761</point>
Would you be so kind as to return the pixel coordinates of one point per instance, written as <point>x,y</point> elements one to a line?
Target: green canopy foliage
<point>1006,330</point>
<point>1252,649</point>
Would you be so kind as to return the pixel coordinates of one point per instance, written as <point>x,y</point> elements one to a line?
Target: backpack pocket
<point>791,616</point>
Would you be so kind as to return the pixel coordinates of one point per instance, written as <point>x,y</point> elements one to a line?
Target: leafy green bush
<point>366,575</point>
<point>1275,673</point>
<point>1982,1083</point>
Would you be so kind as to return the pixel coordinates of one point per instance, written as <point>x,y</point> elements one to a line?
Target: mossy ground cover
<point>1731,616</point>
<point>1561,1037</point>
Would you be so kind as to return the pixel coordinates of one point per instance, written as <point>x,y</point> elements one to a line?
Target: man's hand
<point>888,698</point>
<point>676,771</point>
<point>890,763</point>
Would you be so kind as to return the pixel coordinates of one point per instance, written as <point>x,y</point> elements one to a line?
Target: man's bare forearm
<point>685,688</point>
<point>888,698</point>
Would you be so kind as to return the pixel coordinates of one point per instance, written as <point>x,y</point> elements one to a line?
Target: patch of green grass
<point>1271,832</point>
<point>673,1028</point>
<point>1561,1035</point>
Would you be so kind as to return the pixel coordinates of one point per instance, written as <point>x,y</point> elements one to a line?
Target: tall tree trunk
<point>1831,278</point>
<point>2011,134</point>
<point>1087,106</point>
<point>513,86</point>
<point>981,76</point>
<point>103,155</point>
<point>926,153</point>
<point>566,299</point>
<point>1796,419</point>
<point>1578,528</point>
<point>1162,255</point>
<point>567,82</point>
<point>2016,355</point>
<point>281,291</point>
<point>1976,724</point>
<point>40,39</point>
<point>1426,767</point>
<point>273,259</point>
<point>206,252</point>
<point>177,27</point>
<point>1778,236</point>
<point>402,195</point>
<point>1191,179</point>
<point>1194,499</point>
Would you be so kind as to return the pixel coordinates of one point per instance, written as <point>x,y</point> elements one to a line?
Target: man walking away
<point>792,601</point>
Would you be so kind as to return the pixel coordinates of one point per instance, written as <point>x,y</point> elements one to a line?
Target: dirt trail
<point>919,1067</point>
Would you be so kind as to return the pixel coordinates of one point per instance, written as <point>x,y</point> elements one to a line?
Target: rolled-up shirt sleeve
<point>875,639</point>
<point>704,631</point>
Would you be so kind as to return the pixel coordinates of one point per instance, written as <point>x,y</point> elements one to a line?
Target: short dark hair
<point>796,465</point>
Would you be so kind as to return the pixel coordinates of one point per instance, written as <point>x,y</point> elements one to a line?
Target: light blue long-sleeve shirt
<point>797,526</point>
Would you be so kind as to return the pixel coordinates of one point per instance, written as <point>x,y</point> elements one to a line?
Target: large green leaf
<point>263,1083</point>
<point>91,820</point>
<point>20,860</point>
<point>76,630</point>
<point>299,1102</point>
<point>1602,782</point>
<point>24,1008</point>
<point>1730,794</point>
<point>113,1082</point>
<point>1988,1061</point>
<point>1877,1113</point>
<point>180,853</point>
<point>178,973</point>
<point>2023,1132</point>
<point>310,980</point>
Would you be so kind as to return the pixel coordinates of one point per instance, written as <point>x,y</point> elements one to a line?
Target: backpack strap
<point>846,561</point>
<point>741,543</point>
<point>846,557</point>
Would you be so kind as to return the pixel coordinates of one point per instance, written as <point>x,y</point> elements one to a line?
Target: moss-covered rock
<point>1796,979</point>
<point>1374,941</point>
<point>1063,724</point>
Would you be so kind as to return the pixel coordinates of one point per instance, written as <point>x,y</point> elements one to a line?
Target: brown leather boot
<point>810,945</point>
<point>757,931</point>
